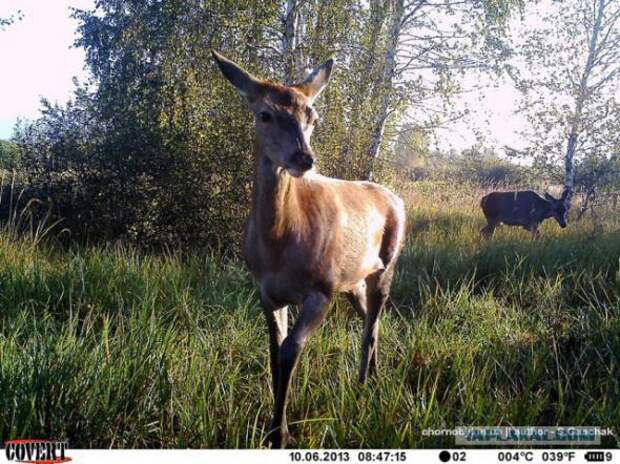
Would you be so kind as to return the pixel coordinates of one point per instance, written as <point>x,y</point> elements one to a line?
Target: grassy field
<point>108,347</point>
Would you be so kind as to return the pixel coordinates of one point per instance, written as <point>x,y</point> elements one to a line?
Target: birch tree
<point>158,113</point>
<point>570,81</point>
<point>293,32</point>
<point>428,46</point>
<point>7,21</point>
<point>386,83</point>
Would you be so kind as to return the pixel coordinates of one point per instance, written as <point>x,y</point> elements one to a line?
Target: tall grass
<point>108,347</point>
<point>19,220</point>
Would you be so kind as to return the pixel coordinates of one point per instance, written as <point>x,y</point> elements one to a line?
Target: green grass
<point>108,347</point>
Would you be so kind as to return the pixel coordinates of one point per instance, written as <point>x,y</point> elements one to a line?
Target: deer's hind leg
<point>378,290</point>
<point>488,230</point>
<point>357,298</point>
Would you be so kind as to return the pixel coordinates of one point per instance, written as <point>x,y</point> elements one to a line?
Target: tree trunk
<point>289,40</point>
<point>299,56</point>
<point>582,96</point>
<point>386,86</point>
<point>587,202</point>
<point>377,19</point>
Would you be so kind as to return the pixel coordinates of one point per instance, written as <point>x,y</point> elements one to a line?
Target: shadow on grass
<point>445,251</point>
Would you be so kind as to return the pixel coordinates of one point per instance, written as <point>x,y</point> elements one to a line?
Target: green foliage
<point>569,84</point>
<point>7,21</point>
<point>475,166</point>
<point>157,149</point>
<point>9,156</point>
<point>109,347</point>
<point>485,168</point>
<point>600,173</point>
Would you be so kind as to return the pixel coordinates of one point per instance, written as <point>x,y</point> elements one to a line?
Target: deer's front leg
<point>313,311</point>
<point>277,325</point>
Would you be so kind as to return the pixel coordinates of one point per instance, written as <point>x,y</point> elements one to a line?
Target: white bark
<point>300,58</point>
<point>387,79</point>
<point>377,20</point>
<point>293,26</point>
<point>580,100</point>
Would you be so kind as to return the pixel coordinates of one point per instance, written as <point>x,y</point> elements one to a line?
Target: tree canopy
<point>158,148</point>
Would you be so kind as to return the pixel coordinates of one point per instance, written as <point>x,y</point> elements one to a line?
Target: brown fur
<point>314,232</point>
<point>308,236</point>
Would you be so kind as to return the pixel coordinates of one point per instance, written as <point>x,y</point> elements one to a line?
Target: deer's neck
<point>274,207</point>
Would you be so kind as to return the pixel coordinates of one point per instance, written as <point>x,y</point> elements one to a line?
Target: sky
<point>492,115</point>
<point>37,60</point>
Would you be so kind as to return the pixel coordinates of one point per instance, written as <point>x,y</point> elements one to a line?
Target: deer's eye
<point>264,116</point>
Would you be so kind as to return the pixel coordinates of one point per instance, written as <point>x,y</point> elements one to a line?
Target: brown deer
<point>309,237</point>
<point>524,208</point>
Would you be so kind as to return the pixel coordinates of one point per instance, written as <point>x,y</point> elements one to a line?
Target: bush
<point>485,168</point>
<point>127,178</point>
<point>9,156</point>
<point>160,150</point>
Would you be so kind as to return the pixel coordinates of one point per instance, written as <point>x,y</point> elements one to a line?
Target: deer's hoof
<point>279,439</point>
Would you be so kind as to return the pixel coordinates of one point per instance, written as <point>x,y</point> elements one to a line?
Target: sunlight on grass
<point>110,347</point>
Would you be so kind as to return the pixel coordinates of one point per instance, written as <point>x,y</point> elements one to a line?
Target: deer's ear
<point>549,197</point>
<point>247,84</point>
<point>317,80</point>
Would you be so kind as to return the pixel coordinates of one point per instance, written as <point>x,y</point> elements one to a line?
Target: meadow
<point>107,346</point>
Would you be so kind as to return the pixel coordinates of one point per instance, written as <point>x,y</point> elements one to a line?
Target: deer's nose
<point>303,160</point>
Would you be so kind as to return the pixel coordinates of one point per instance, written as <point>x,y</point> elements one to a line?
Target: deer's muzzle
<point>302,161</point>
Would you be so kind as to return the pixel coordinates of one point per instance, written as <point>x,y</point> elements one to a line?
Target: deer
<point>310,237</point>
<point>524,208</point>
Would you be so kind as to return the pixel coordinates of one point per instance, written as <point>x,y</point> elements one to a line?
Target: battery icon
<point>595,456</point>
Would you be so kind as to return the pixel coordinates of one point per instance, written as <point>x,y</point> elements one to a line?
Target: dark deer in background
<point>308,236</point>
<point>524,208</point>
